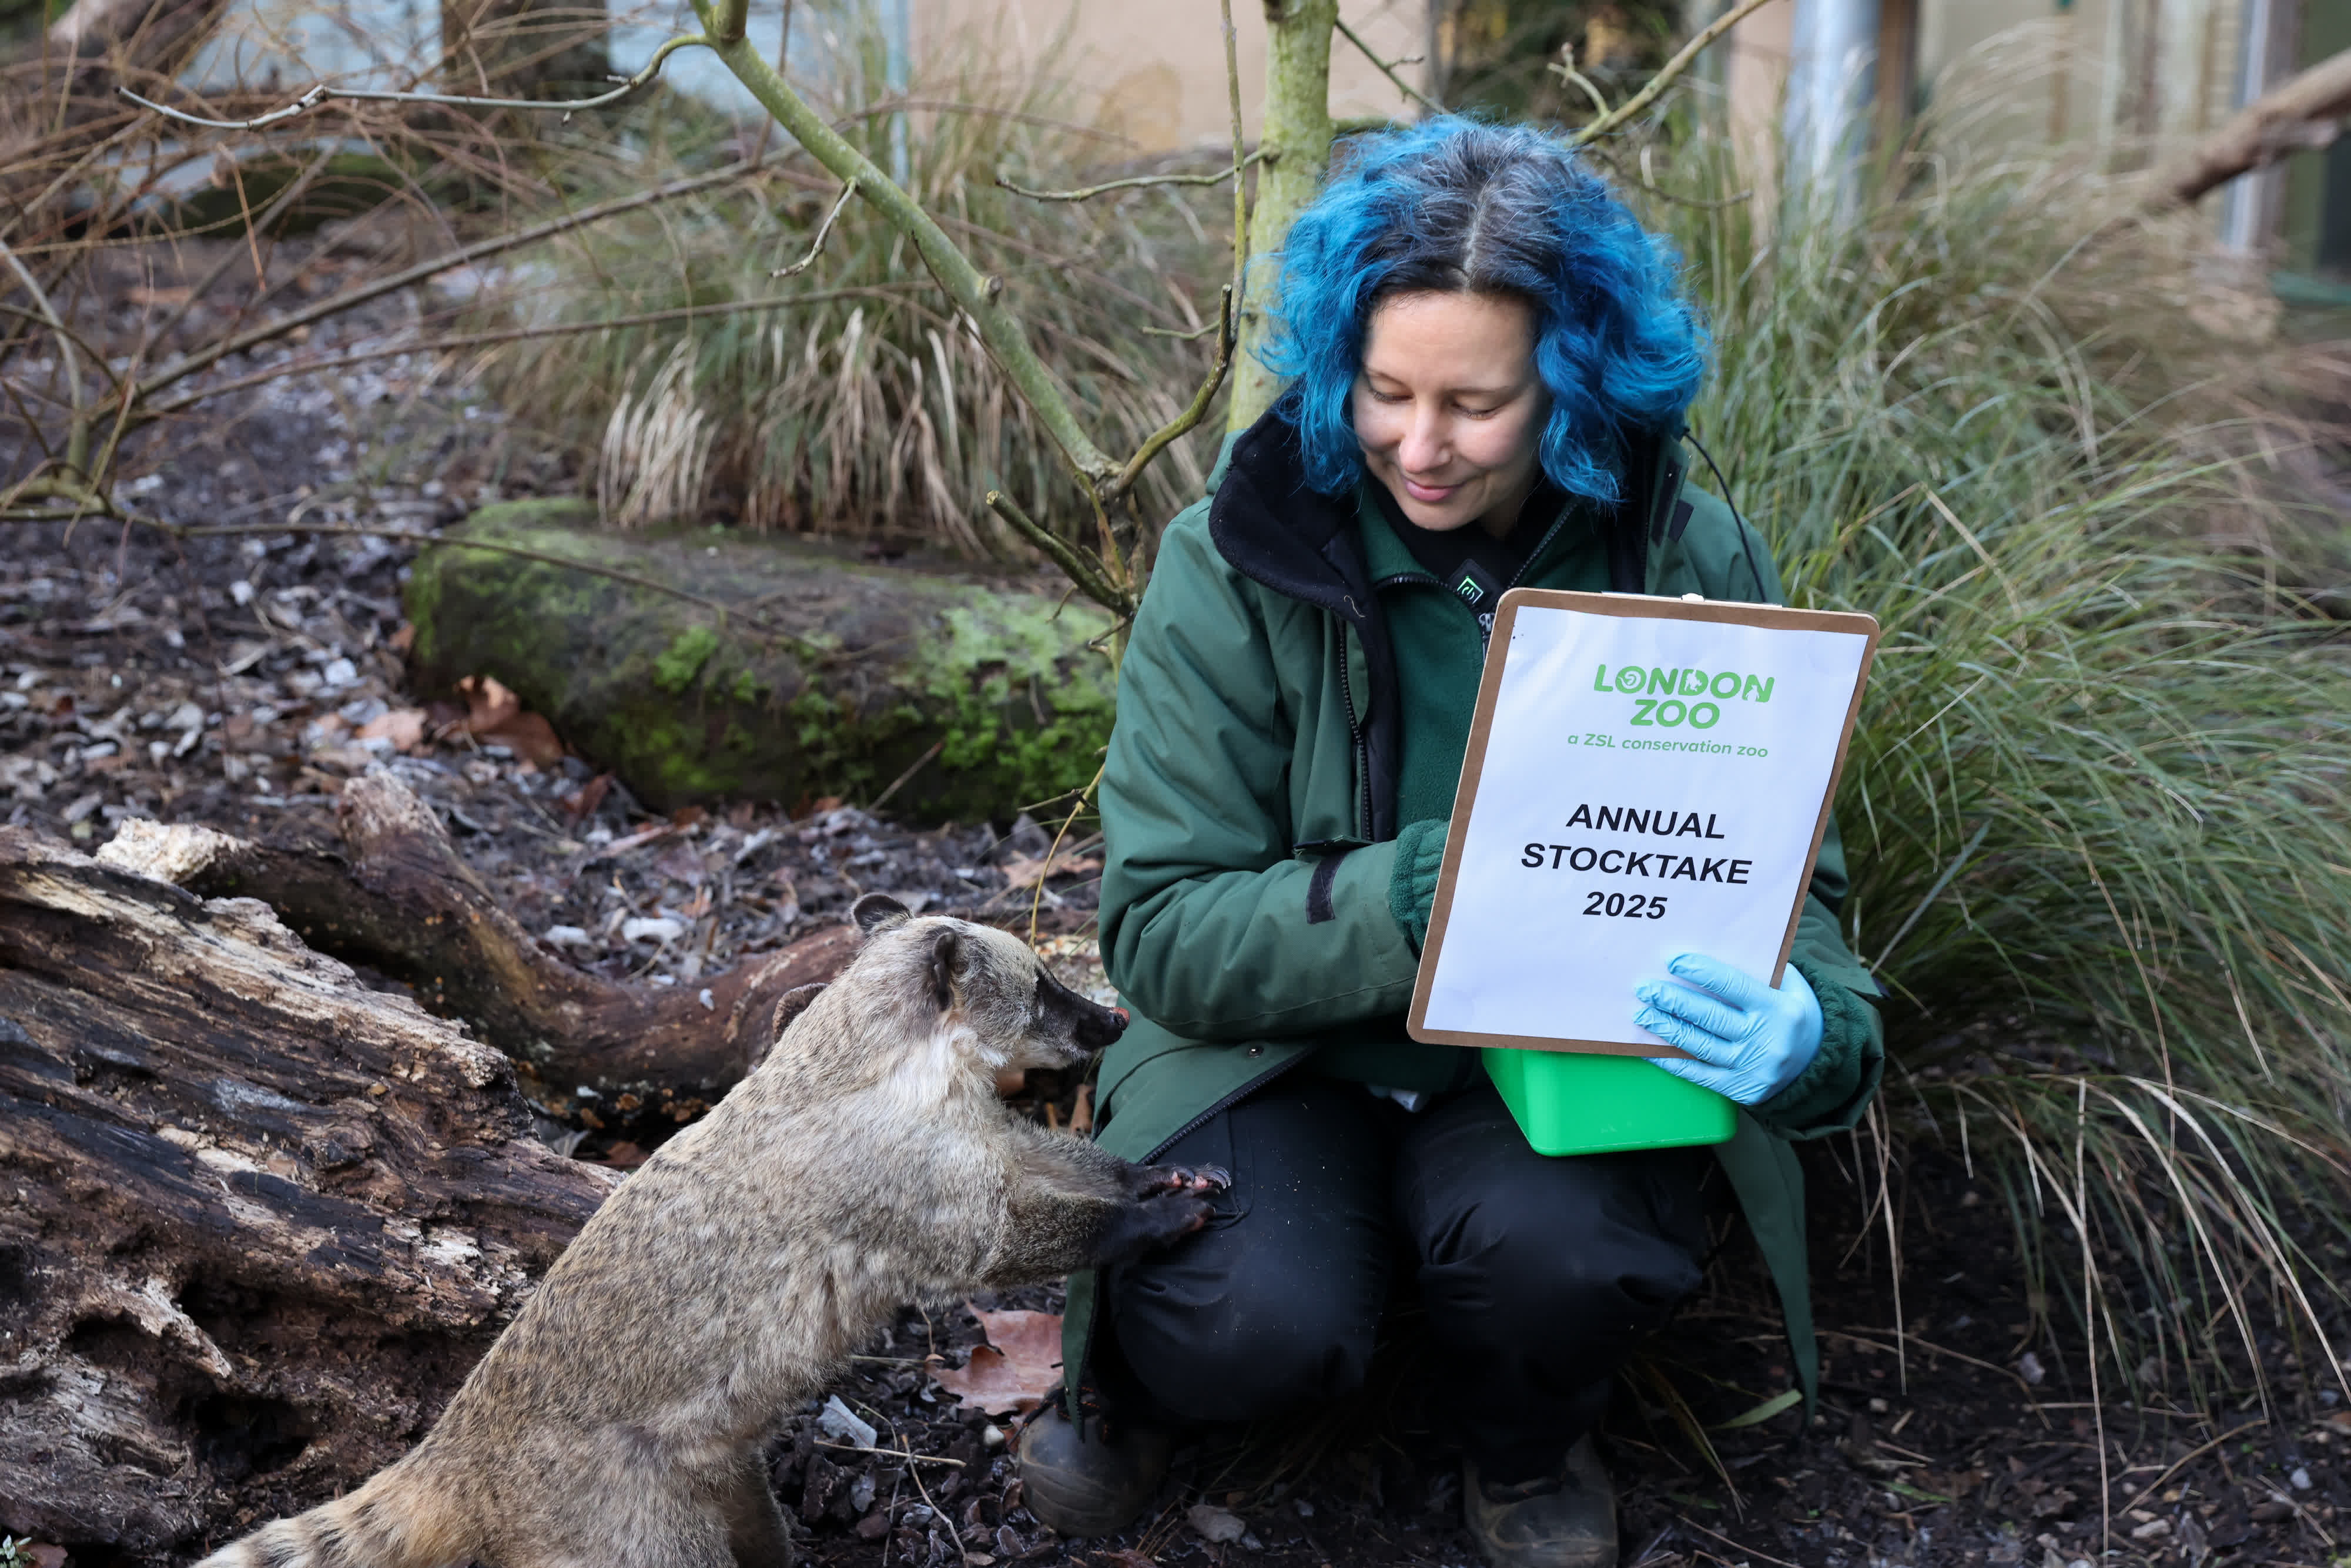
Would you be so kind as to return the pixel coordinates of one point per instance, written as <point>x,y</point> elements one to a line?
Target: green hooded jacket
<point>1260,901</point>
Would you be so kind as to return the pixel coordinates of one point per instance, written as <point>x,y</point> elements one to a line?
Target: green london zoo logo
<point>1661,691</point>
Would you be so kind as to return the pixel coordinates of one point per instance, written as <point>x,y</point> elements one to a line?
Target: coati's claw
<point>1151,1180</point>
<point>1211,1178</point>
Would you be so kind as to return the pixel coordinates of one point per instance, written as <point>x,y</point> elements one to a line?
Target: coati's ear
<point>877,912</point>
<point>945,951</point>
<point>793,1003</point>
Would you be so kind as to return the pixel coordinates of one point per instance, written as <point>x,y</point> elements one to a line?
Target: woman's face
<point>1448,406</point>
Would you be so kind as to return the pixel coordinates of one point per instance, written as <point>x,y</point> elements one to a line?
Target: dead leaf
<point>402,641</point>
<point>494,713</point>
<point>681,862</point>
<point>1028,873</point>
<point>1125,1557</point>
<point>1215,1524</point>
<point>1015,1371</point>
<point>591,794</point>
<point>403,726</point>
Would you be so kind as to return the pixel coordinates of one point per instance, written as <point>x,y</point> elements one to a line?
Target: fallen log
<point>257,1220</point>
<point>396,897</point>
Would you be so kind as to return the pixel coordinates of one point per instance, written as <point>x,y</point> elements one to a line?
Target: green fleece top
<point>1440,655</point>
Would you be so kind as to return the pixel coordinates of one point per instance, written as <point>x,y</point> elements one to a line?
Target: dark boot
<point>1091,1487</point>
<point>1564,1521</point>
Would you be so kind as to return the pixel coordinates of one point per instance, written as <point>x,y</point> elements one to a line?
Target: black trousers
<point>1537,1275</point>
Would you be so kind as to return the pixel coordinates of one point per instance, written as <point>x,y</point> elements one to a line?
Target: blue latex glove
<point>1751,1041</point>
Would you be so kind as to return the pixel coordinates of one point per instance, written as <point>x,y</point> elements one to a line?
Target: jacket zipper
<point>1227,1103</point>
<point>1362,751</point>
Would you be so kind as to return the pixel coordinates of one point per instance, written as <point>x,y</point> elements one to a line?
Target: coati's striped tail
<point>398,1520</point>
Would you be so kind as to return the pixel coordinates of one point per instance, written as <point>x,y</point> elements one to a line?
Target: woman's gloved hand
<point>1750,1040</point>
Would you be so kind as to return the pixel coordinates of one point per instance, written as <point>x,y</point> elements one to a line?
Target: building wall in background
<point>1152,72</point>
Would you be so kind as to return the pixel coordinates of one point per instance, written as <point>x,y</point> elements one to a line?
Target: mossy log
<point>257,1220</point>
<point>698,667</point>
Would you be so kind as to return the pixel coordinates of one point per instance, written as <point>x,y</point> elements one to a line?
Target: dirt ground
<point>235,683</point>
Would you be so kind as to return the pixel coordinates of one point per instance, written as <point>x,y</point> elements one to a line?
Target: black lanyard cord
<point>1746,541</point>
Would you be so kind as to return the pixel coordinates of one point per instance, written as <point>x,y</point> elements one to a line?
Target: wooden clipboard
<point>1465,801</point>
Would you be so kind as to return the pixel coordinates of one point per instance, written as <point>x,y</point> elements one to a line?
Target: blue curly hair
<point>1454,205</point>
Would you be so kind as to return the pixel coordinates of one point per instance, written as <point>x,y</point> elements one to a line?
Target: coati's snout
<point>1093,1025</point>
<point>1023,1016</point>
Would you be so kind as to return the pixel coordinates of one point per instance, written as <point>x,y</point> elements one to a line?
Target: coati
<point>866,1161</point>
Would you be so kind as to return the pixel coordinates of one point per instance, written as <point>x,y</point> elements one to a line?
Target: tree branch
<point>1133,183</point>
<point>2302,113</point>
<point>77,432</point>
<point>186,365</point>
<point>1182,424</point>
<point>1655,85</point>
<point>1088,575</point>
<point>974,293</point>
<point>324,94</point>
<point>1388,69</point>
<point>816,245</point>
<point>522,334</point>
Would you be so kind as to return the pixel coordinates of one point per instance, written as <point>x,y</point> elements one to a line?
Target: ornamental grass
<point>857,404</point>
<point>2096,808</point>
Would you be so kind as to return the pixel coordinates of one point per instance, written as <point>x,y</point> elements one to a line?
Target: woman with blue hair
<point>1489,361</point>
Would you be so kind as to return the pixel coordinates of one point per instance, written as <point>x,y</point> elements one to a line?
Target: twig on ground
<point>891,1453</point>
<point>936,1511</point>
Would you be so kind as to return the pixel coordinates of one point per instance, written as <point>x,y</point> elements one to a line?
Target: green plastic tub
<point>1572,1103</point>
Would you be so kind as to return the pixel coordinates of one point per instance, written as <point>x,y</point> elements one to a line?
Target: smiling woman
<point>1489,362</point>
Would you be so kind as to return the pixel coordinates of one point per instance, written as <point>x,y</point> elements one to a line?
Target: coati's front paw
<point>1149,1223</point>
<point>1171,1215</point>
<point>1202,1181</point>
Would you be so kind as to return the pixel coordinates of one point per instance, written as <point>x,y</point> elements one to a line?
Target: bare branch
<point>1134,182</point>
<point>2304,112</point>
<point>78,437</point>
<point>1088,575</point>
<point>1182,424</point>
<point>1194,336</point>
<point>976,294</point>
<point>1388,69</point>
<point>457,341</point>
<point>187,365</point>
<point>816,245</point>
<point>1655,85</point>
<point>324,94</point>
<point>1568,73</point>
<point>1240,196</point>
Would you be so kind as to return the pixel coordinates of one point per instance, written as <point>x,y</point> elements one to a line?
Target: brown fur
<point>865,1161</point>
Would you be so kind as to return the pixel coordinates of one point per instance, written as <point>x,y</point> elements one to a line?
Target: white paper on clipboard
<point>1644,777</point>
